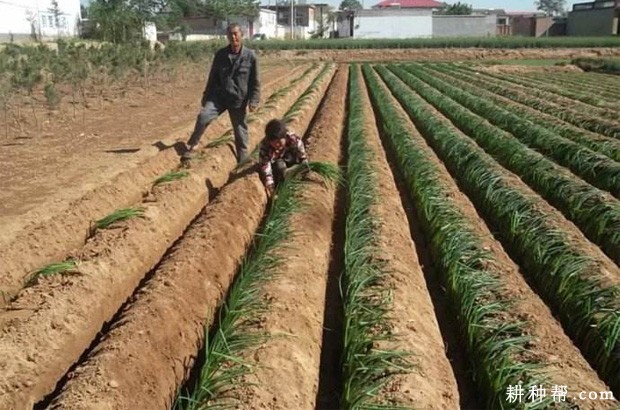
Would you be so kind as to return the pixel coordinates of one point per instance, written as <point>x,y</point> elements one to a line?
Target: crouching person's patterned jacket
<point>293,152</point>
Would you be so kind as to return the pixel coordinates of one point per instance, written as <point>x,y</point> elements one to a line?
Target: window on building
<point>48,20</point>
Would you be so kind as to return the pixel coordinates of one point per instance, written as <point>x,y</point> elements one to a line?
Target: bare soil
<point>522,69</point>
<point>204,282</point>
<point>144,359</point>
<point>48,326</point>
<point>46,227</point>
<point>452,54</point>
<point>61,172</point>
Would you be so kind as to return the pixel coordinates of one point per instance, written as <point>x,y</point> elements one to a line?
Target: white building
<point>23,19</point>
<point>265,23</point>
<point>304,23</point>
<point>392,23</point>
<point>206,28</point>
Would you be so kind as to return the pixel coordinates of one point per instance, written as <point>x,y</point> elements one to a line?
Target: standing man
<point>232,86</point>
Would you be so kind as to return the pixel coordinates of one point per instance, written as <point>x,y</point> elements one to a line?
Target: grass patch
<point>600,65</point>
<point>170,177</point>
<point>117,216</point>
<point>52,269</point>
<point>221,140</point>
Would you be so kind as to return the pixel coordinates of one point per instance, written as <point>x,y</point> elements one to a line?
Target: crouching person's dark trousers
<point>210,111</point>
<point>279,168</point>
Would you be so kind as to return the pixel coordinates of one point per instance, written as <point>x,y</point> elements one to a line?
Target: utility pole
<point>292,18</point>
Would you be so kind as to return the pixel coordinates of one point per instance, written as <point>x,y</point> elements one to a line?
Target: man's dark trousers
<point>209,112</point>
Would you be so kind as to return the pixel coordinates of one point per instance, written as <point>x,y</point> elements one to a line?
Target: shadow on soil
<point>330,372</point>
<point>122,151</point>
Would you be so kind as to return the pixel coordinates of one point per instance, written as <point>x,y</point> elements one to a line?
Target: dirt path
<point>431,384</point>
<point>66,226</point>
<point>561,361</point>
<point>51,324</point>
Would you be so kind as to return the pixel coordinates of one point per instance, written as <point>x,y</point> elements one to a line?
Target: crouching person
<point>280,150</point>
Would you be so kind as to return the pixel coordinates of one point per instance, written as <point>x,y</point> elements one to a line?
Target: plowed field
<point>466,258</point>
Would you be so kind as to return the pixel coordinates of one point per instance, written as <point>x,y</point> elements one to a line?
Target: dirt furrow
<point>182,296</point>
<point>50,240</point>
<point>42,178</point>
<point>143,360</point>
<point>286,367</point>
<point>431,384</point>
<point>51,324</point>
<point>560,360</point>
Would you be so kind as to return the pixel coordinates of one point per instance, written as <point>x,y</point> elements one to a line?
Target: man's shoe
<point>186,159</point>
<point>242,157</point>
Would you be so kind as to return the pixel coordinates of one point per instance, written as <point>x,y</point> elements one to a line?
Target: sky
<point>508,5</point>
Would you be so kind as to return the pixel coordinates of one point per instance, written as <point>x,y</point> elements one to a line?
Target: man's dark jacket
<point>233,85</point>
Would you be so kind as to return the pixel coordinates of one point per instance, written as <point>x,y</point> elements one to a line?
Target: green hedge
<point>459,42</point>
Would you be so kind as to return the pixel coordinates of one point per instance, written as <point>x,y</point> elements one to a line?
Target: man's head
<point>275,132</point>
<point>235,36</point>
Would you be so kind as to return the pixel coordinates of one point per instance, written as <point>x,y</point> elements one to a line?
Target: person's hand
<point>306,167</point>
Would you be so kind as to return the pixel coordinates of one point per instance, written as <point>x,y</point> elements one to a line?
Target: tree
<point>121,21</point>
<point>177,10</point>
<point>456,9</point>
<point>350,5</point>
<point>225,9</point>
<point>185,8</point>
<point>35,25</point>
<point>551,7</point>
<point>324,20</point>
